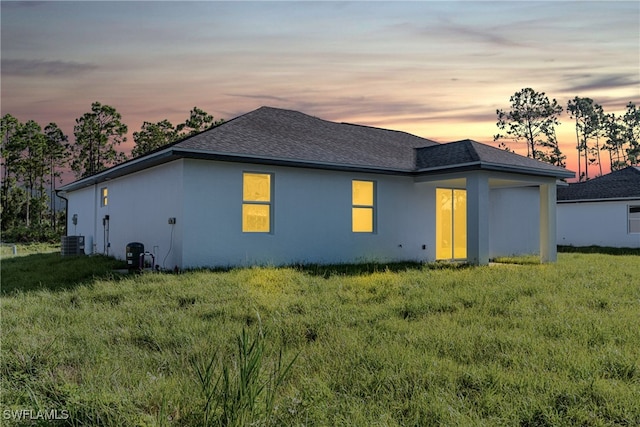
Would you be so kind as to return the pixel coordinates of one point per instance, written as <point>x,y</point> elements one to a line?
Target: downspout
<point>66,211</point>
<point>94,245</point>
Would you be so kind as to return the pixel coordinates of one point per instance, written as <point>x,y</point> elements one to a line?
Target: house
<point>278,187</point>
<point>603,211</point>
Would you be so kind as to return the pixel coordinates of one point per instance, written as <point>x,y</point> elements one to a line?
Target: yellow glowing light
<point>362,209</point>
<point>451,224</point>
<point>362,220</point>
<point>459,224</point>
<point>255,218</point>
<point>256,206</point>
<point>363,193</point>
<point>105,196</point>
<point>256,187</point>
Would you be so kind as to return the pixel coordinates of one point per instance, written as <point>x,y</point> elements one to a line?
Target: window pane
<point>444,224</point>
<point>459,224</point>
<point>256,187</point>
<point>363,193</point>
<point>255,218</point>
<point>634,219</point>
<point>362,220</point>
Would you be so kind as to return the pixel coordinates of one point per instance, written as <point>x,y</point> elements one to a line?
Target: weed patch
<point>240,392</point>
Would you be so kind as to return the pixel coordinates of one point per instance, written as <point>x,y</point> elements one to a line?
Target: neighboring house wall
<point>139,206</point>
<point>596,223</point>
<point>311,218</point>
<point>515,221</point>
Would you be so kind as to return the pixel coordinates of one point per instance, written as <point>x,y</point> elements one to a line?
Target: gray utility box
<point>72,245</point>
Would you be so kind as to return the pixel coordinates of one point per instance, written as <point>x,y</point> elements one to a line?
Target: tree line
<point>533,118</point>
<point>33,159</point>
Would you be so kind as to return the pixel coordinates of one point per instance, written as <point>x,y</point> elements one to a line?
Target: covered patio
<point>471,202</point>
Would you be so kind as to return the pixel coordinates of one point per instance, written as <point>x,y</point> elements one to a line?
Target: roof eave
<point>174,153</point>
<point>122,169</point>
<point>612,199</point>
<point>497,167</point>
<point>278,161</point>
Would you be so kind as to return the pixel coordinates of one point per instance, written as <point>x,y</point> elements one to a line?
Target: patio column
<point>478,219</point>
<point>548,239</point>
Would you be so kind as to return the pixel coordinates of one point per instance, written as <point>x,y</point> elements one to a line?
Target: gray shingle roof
<point>273,133</point>
<point>284,137</point>
<point>620,184</point>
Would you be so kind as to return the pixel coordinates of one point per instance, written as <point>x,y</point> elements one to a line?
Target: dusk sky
<point>435,69</point>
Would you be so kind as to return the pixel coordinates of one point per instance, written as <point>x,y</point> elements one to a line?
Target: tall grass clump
<point>240,391</point>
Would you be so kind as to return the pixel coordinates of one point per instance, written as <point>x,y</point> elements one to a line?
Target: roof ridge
<point>390,130</point>
<point>472,149</point>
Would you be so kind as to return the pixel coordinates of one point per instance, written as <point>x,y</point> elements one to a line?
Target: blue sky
<point>435,69</point>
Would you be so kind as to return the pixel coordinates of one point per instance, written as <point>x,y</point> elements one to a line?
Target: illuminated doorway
<point>451,224</point>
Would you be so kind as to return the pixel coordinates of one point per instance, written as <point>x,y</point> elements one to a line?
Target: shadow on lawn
<point>599,250</point>
<point>327,271</point>
<point>53,272</point>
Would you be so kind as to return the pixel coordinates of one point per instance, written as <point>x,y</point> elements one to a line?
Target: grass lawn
<point>7,249</point>
<point>511,345</point>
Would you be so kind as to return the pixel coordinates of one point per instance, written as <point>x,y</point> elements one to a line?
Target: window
<point>362,210</point>
<point>634,219</point>
<point>451,224</point>
<point>104,196</point>
<point>256,202</point>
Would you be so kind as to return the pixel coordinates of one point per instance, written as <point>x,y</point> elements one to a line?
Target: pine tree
<point>98,133</point>
<point>532,119</point>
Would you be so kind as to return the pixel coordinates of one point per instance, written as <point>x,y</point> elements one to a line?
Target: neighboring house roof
<point>620,184</point>
<point>284,137</point>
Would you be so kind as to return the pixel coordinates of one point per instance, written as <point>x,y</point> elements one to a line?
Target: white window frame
<point>104,196</point>
<point>633,217</point>
<point>372,206</point>
<point>259,202</point>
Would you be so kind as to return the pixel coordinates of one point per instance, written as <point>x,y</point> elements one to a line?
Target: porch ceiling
<point>496,180</point>
<point>506,183</point>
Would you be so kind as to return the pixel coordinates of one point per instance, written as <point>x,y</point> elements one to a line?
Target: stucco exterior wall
<point>311,218</point>
<point>83,204</point>
<point>514,221</point>
<point>596,223</point>
<point>139,206</point>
